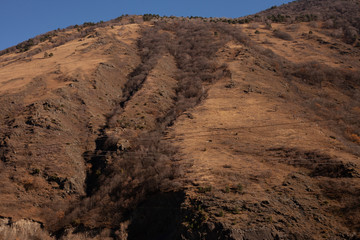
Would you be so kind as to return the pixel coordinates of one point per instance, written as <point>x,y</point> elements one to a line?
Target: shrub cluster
<point>152,45</point>
<point>278,18</point>
<point>315,73</point>
<point>282,35</point>
<point>25,46</point>
<point>194,51</point>
<point>306,18</point>
<point>232,20</point>
<point>149,17</point>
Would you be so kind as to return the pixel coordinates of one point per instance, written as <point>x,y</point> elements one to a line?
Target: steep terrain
<point>182,128</point>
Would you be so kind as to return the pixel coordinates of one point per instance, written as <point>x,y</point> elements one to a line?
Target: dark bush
<point>149,17</point>
<point>88,24</point>
<point>350,34</point>
<point>314,73</point>
<point>25,46</point>
<point>282,35</point>
<point>306,18</point>
<point>278,18</point>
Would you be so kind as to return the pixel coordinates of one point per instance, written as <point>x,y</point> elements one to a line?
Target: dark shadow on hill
<point>158,217</point>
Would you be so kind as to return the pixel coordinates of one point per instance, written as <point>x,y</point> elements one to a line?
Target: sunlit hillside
<point>149,127</point>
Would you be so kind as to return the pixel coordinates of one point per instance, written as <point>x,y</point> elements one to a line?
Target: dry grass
<point>23,229</point>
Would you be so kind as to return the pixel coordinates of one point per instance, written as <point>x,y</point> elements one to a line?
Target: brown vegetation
<point>239,139</point>
<point>336,15</point>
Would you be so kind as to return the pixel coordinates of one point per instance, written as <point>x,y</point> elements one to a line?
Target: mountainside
<point>149,127</point>
<point>340,16</point>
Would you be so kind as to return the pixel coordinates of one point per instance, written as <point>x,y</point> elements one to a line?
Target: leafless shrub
<point>253,25</point>
<point>328,24</point>
<point>348,194</point>
<point>268,26</point>
<point>336,33</point>
<point>319,164</point>
<point>194,56</point>
<point>22,229</point>
<point>313,24</point>
<point>311,73</point>
<point>282,35</point>
<point>235,32</point>
<point>335,169</point>
<point>130,177</point>
<point>266,41</point>
<point>314,73</point>
<point>151,45</point>
<point>350,34</point>
<point>293,27</point>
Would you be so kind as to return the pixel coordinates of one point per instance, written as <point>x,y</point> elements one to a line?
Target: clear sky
<point>23,19</point>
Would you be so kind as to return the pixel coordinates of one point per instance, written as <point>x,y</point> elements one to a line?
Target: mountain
<point>149,127</point>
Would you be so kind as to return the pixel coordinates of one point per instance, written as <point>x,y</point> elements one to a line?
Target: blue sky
<point>23,19</point>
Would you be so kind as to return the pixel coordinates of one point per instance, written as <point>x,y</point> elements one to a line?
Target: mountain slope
<point>179,128</point>
<point>341,16</point>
